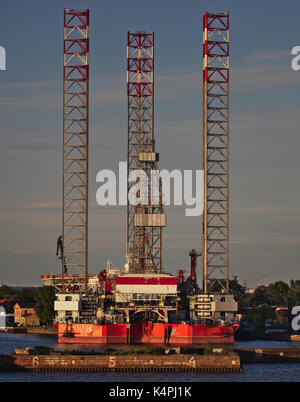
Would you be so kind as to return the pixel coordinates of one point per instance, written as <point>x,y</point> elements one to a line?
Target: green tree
<point>294,293</point>
<point>259,314</point>
<point>28,295</point>
<point>45,304</point>
<point>278,292</point>
<point>259,297</point>
<point>238,291</point>
<point>7,292</point>
<point>208,349</point>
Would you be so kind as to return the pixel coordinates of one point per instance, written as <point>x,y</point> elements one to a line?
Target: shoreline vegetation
<point>261,309</point>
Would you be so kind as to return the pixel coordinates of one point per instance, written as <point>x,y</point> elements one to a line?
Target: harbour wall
<point>268,355</point>
<point>129,363</point>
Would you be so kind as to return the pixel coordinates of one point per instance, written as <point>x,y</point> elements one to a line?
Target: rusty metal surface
<point>124,363</point>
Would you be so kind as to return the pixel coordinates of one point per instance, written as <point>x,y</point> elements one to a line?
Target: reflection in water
<point>288,372</point>
<point>283,372</point>
<point>8,342</point>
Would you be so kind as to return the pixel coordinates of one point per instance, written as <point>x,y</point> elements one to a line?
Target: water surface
<point>281,372</point>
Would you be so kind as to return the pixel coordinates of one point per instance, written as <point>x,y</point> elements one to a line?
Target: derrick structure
<point>216,152</point>
<point>145,217</point>
<point>74,242</point>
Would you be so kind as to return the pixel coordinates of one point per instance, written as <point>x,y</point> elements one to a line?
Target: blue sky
<point>264,100</point>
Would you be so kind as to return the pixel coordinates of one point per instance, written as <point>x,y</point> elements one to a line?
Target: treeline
<point>260,305</point>
<point>28,295</point>
<point>279,293</point>
<point>275,294</point>
<point>262,301</point>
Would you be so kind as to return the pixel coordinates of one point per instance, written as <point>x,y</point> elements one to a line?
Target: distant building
<point>8,307</point>
<point>24,314</point>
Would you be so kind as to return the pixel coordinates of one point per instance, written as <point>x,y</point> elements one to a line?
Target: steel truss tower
<point>75,146</point>
<point>145,219</point>
<point>216,152</point>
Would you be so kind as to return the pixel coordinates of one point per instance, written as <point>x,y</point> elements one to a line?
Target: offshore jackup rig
<point>141,303</point>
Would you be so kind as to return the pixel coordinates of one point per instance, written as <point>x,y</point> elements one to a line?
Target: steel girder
<point>144,239</point>
<point>75,144</point>
<point>216,152</point>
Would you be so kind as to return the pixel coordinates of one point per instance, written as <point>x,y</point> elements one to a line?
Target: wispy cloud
<point>264,71</point>
<point>28,84</point>
<point>104,92</point>
<point>33,206</point>
<point>267,210</point>
<point>258,72</point>
<point>259,78</point>
<point>29,139</point>
<point>265,240</point>
<point>280,55</point>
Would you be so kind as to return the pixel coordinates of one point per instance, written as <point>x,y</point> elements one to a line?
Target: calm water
<point>289,372</point>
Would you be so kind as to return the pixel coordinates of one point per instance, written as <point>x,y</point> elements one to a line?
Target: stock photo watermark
<point>295,323</point>
<point>2,58</point>
<point>295,60</point>
<point>188,188</point>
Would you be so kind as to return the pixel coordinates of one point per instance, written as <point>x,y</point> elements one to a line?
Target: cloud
<point>267,210</point>
<point>261,254</point>
<point>28,103</point>
<point>46,206</point>
<point>28,84</point>
<point>258,72</point>
<point>279,55</point>
<point>260,78</point>
<point>107,91</point>
<point>264,71</point>
<point>258,139</point>
<point>264,240</point>
<point>33,206</point>
<point>13,138</point>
